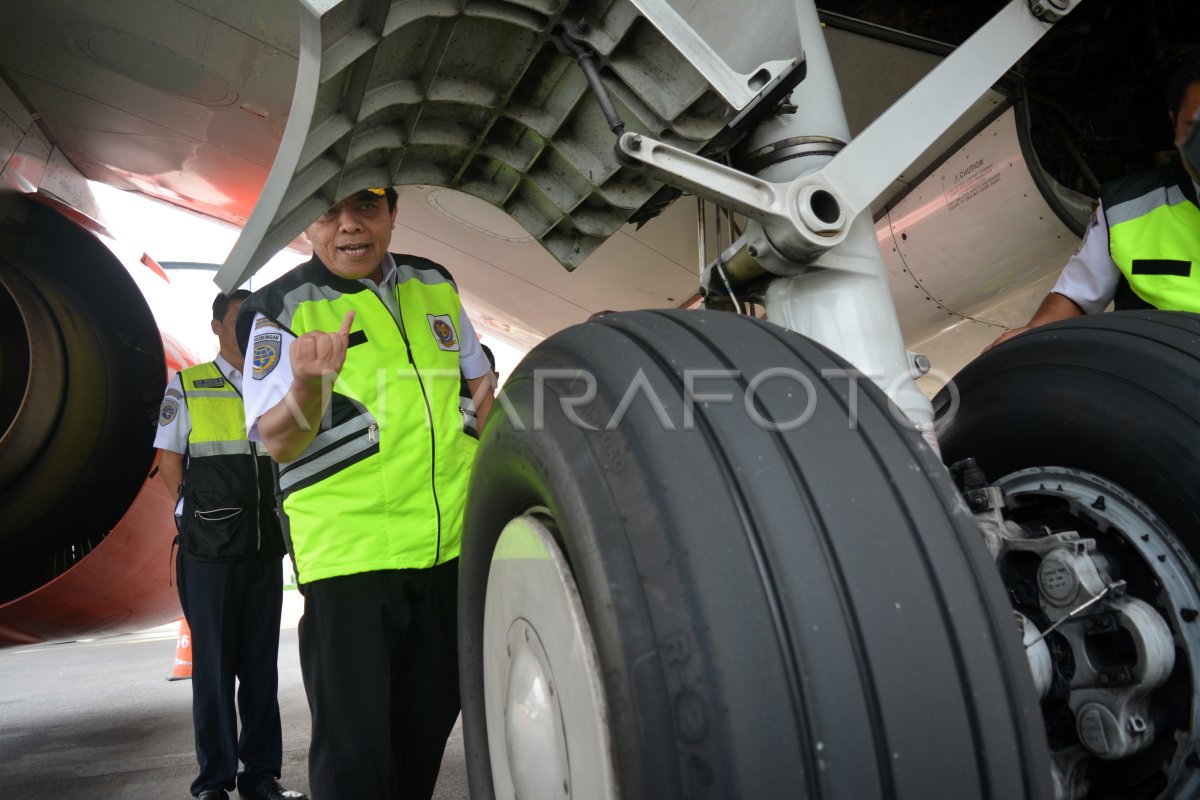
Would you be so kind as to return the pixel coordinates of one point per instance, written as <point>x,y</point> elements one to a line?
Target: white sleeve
<point>174,424</point>
<point>471,358</point>
<point>268,376</point>
<point>1090,277</point>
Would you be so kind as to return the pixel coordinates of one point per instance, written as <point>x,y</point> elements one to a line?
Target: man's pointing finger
<point>346,323</point>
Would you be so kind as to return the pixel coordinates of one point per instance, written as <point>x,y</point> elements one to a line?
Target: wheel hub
<point>533,723</point>
<point>547,722</point>
<point>1106,596</point>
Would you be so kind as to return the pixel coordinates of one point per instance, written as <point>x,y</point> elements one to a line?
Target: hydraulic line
<point>587,62</point>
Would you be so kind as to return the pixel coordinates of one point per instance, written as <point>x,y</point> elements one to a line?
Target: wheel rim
<point>547,724</point>
<point>1135,542</point>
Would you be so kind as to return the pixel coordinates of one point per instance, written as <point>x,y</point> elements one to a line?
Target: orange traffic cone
<point>183,653</point>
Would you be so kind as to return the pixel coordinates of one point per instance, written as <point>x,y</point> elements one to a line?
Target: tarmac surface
<point>98,720</point>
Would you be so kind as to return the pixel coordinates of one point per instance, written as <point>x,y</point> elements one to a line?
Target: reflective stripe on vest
<point>217,414</point>
<point>383,484</point>
<point>1154,239</point>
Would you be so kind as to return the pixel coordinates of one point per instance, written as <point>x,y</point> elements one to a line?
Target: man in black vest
<point>229,570</point>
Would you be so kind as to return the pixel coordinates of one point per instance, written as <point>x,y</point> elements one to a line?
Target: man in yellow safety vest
<point>1142,248</point>
<point>358,357</point>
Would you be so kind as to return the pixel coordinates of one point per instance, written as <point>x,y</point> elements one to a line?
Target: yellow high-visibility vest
<point>1154,239</point>
<point>383,483</point>
<point>228,499</point>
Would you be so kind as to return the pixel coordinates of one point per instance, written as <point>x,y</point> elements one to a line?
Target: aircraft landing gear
<point>1093,426</point>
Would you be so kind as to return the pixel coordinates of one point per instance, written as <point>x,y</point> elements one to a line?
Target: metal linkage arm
<point>772,204</point>
<point>812,214</point>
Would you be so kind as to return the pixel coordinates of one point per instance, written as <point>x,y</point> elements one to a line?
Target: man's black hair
<point>221,302</point>
<point>1183,76</point>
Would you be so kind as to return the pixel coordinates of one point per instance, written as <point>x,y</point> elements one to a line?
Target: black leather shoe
<point>212,794</point>
<point>269,790</point>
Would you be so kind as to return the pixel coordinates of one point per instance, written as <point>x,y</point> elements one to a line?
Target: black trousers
<point>233,610</point>
<point>379,655</point>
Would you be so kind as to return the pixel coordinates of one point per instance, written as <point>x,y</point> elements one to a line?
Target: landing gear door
<point>492,100</point>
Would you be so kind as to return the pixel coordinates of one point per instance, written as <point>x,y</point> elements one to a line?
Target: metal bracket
<point>1052,10</point>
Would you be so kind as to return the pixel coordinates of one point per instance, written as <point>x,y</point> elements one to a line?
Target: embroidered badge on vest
<point>209,383</point>
<point>265,353</point>
<point>168,411</point>
<point>443,331</point>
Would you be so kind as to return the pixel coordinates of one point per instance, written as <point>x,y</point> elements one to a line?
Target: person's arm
<point>171,436</point>
<point>476,368</point>
<point>170,467</point>
<point>317,357</point>
<point>1087,283</point>
<point>483,393</point>
<point>1054,308</point>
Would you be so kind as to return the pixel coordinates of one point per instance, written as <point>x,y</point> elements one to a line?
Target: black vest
<point>229,507</point>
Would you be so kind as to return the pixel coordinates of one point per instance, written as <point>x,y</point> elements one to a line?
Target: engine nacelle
<point>85,529</point>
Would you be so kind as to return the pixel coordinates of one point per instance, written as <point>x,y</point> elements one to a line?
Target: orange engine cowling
<point>85,527</point>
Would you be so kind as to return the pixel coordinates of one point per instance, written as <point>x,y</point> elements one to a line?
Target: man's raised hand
<point>319,353</point>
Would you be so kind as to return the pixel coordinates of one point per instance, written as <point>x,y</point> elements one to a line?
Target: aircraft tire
<point>802,613</point>
<point>1114,397</point>
<point>1114,394</point>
